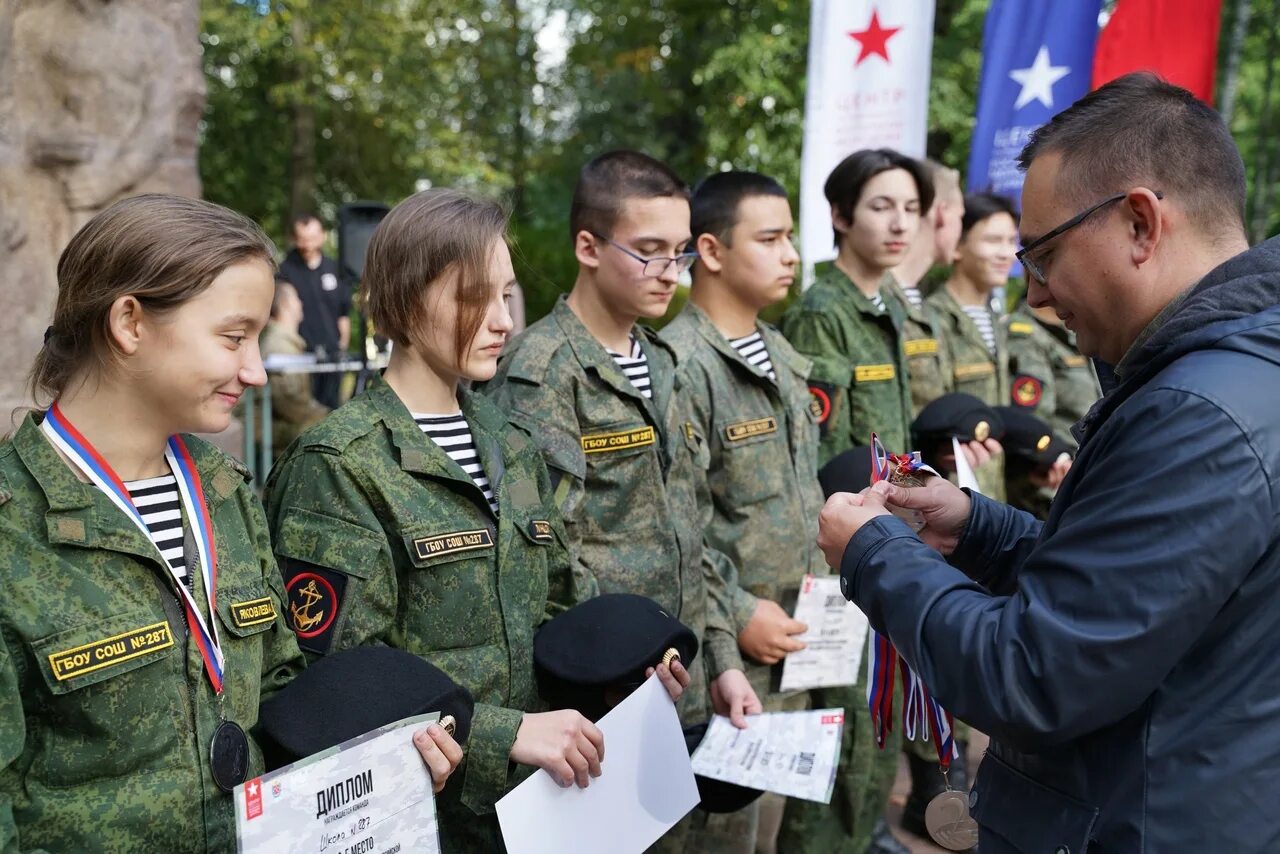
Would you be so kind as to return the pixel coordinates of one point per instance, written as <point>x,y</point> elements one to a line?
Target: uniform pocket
<point>1029,815</point>
<point>449,599</point>
<point>114,702</point>
<point>752,447</point>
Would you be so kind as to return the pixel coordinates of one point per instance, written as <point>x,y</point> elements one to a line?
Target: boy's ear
<point>710,252</point>
<point>587,249</point>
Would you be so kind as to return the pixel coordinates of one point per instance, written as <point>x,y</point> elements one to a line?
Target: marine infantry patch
<point>315,596</point>
<point>117,649</point>
<point>1027,391</point>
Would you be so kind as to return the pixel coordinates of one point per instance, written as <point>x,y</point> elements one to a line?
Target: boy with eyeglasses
<point>596,391</point>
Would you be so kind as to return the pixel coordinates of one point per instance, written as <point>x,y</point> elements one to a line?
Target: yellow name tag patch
<point>1020,328</point>
<point>873,373</point>
<point>747,429</point>
<point>633,438</point>
<point>921,346</point>
<point>116,649</point>
<point>1074,361</point>
<point>255,612</point>
<point>974,370</point>
<point>459,541</point>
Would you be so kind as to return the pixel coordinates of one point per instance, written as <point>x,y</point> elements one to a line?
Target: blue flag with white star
<point>1037,59</point>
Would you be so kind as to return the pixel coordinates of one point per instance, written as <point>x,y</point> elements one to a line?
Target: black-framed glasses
<point>654,267</point>
<point>1024,254</point>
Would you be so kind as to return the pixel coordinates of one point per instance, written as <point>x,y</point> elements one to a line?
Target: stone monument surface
<point>99,100</point>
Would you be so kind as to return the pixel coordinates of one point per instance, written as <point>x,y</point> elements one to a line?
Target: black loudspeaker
<point>356,222</point>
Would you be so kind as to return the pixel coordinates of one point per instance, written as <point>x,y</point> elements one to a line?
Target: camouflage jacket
<point>627,472</point>
<point>763,440</point>
<point>383,539</point>
<point>106,715</point>
<point>859,379</point>
<point>1048,374</point>
<point>974,371</point>
<point>928,360</point>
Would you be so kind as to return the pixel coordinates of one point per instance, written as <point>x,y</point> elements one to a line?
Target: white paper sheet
<point>834,640</point>
<point>964,472</point>
<point>646,787</point>
<point>791,753</point>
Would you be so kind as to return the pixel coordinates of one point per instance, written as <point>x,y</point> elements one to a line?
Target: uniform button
<point>973,798</point>
<point>844,587</point>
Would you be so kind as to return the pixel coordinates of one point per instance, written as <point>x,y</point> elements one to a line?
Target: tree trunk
<point>1235,48</point>
<point>520,98</point>
<point>1265,162</point>
<point>302,147</point>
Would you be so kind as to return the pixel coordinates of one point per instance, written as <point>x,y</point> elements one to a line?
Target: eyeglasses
<point>1033,267</point>
<point>654,267</point>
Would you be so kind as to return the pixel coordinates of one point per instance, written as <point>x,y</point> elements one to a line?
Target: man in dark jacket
<point>1124,655</point>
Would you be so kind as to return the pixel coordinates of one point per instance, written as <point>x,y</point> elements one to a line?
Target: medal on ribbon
<point>229,751</point>
<point>947,815</point>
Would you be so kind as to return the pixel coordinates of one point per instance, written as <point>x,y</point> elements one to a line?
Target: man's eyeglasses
<point>1033,267</point>
<point>654,267</point>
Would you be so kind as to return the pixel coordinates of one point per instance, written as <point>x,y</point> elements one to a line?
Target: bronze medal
<point>949,823</point>
<point>229,756</point>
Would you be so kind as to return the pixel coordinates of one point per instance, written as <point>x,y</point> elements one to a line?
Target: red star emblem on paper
<point>874,39</point>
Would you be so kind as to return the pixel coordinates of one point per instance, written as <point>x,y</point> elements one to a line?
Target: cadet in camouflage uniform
<point>108,708</point>
<point>859,384</point>
<point>1050,379</point>
<point>961,308</point>
<point>751,402</point>
<point>416,517</point>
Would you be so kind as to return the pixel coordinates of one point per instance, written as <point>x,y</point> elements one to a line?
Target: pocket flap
<point>91,653</point>
<point>314,538</point>
<point>1028,814</point>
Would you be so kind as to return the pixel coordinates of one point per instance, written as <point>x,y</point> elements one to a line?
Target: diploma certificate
<point>791,753</point>
<point>369,795</point>
<point>834,642</point>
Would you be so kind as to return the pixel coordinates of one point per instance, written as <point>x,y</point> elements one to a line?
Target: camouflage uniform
<point>859,384</point>
<point>859,379</point>
<point>115,756</point>
<point>974,370</point>
<point>928,360</point>
<point>1050,379</point>
<point>626,472</point>
<point>402,544</point>
<point>764,496</point>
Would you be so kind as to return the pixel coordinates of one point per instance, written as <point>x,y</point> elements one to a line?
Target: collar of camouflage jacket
<point>420,455</point>
<point>79,514</point>
<point>781,354</point>
<point>592,355</point>
<point>861,301</point>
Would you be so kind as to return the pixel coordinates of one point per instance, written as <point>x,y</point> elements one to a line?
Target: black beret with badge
<point>355,691</point>
<point>957,415</point>
<point>1029,440</point>
<point>600,649</point>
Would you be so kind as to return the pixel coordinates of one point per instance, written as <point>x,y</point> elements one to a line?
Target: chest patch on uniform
<point>973,370</point>
<point>1026,391</point>
<point>117,649</point>
<point>747,429</point>
<point>1074,361</point>
<point>447,544</point>
<point>872,373</point>
<point>540,530</point>
<point>920,347</point>
<point>1017,328</point>
<point>255,612</point>
<point>314,594</point>
<point>601,442</point>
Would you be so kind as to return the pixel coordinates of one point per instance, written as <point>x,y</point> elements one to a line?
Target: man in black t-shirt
<point>326,301</point>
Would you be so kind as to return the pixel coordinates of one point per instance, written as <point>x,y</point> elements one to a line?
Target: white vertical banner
<point>868,87</point>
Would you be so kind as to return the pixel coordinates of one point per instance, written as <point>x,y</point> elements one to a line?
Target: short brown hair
<point>1140,129</point>
<point>606,182</point>
<point>160,249</point>
<point>422,239</point>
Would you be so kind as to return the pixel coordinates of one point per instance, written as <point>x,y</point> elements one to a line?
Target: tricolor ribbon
<point>921,713</point>
<point>86,458</point>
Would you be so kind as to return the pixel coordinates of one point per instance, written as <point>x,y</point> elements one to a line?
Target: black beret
<point>717,795</point>
<point>602,647</point>
<point>352,692</point>
<point>1029,439</point>
<point>848,471</point>
<point>957,415</point>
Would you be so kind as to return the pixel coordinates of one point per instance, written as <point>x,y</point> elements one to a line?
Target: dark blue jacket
<point>1124,655</point>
